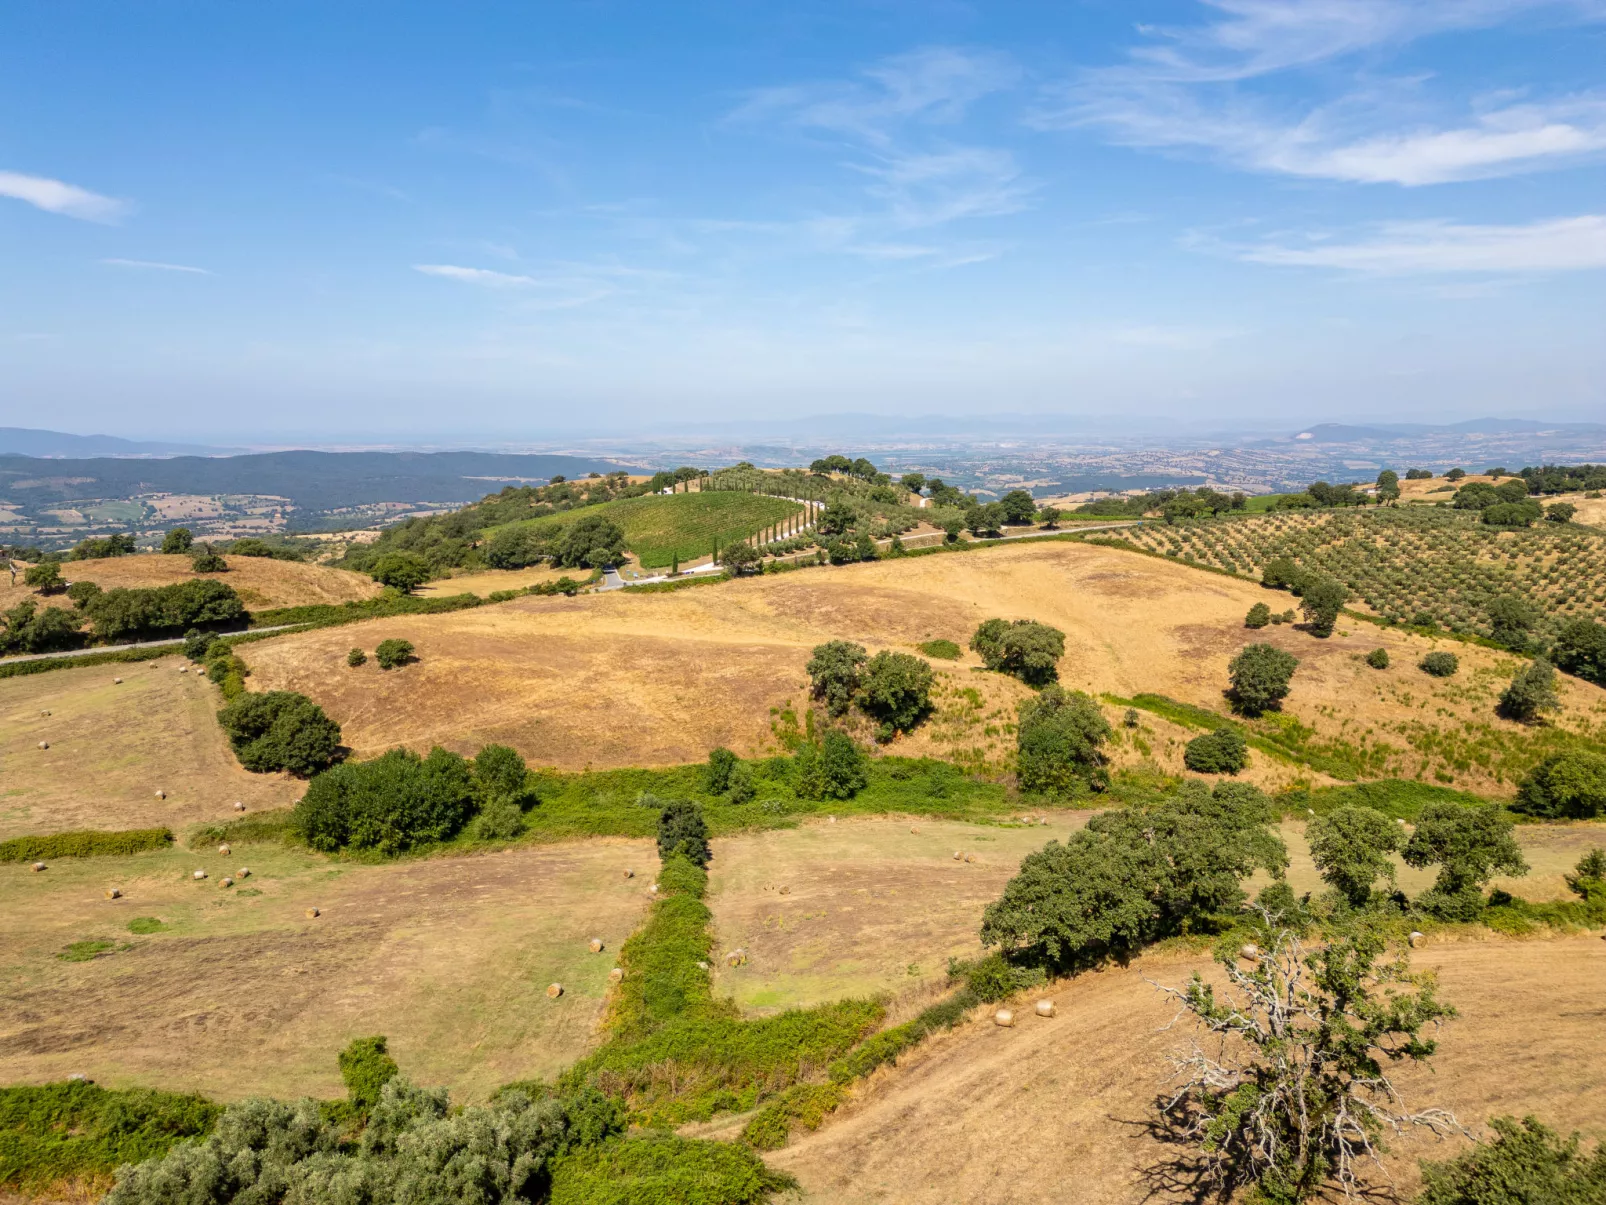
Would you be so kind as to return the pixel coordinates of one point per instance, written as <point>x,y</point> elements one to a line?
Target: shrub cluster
<point>393,653</point>
<point>1440,665</point>
<point>1025,648</point>
<point>85,843</point>
<point>140,614</point>
<point>1565,786</point>
<point>1223,751</point>
<point>30,628</point>
<point>894,689</point>
<point>280,730</point>
<point>1059,739</point>
<point>390,804</point>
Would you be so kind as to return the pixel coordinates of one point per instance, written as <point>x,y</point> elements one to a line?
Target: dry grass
<point>243,994</point>
<point>261,582</point>
<point>995,1116</point>
<point>618,680</point>
<point>113,747</point>
<point>486,581</point>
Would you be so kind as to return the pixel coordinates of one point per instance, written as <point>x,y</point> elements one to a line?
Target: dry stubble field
<point>620,680</point>
<point>261,582</point>
<point>112,747</point>
<point>244,994</point>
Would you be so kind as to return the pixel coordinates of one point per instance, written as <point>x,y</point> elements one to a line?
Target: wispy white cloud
<point>936,187</point>
<point>157,266</point>
<point>1434,248</point>
<point>476,276</point>
<point>54,196</point>
<point>1192,88</point>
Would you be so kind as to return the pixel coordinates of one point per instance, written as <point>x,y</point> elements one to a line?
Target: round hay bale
<point>1004,1018</point>
<point>183,669</point>
<point>629,874</point>
<point>1250,952</point>
<point>970,857</point>
<point>653,890</point>
<point>243,873</point>
<point>38,866</point>
<point>198,875</point>
<point>44,744</point>
<point>958,857</point>
<point>224,849</point>
<point>616,975</point>
<point>313,913</point>
<point>735,958</point>
<point>830,819</point>
<point>238,806</point>
<point>913,829</point>
<point>161,794</point>
<point>1045,822</point>
<point>595,945</point>
<point>114,893</point>
<point>1417,939</point>
<point>227,882</point>
<point>554,990</point>
<point>786,890</point>
<point>117,681</point>
<point>1045,1008</point>
<point>44,713</point>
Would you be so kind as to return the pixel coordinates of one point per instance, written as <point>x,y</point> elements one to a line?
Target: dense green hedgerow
<point>85,843</point>
<point>390,804</point>
<point>664,1169</point>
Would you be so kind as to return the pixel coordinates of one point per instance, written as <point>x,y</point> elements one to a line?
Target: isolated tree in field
<point>1560,512</point>
<point>1291,1095</point>
<point>1223,751</point>
<point>1018,507</point>
<point>1378,658</point>
<point>1388,486</point>
<point>1259,616</point>
<point>393,653</point>
<point>739,557</point>
<point>1321,602</point>
<point>1025,648</point>
<point>205,560</point>
<point>280,730</point>
<point>1059,743</point>
<point>44,577</point>
<point>1350,847</point>
<point>1565,786</point>
<point>1469,845</point>
<point>1455,474</point>
<point>682,830</point>
<point>404,571</point>
<point>1049,516</point>
<point>1440,665</point>
<point>1531,692</point>
<point>895,689</point>
<point>1510,621</point>
<point>1260,677</point>
<point>834,671</point>
<point>178,540</point>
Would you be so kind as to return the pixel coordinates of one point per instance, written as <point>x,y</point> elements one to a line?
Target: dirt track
<point>1059,1110</point>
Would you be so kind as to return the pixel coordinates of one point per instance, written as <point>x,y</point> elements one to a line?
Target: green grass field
<point>661,526</point>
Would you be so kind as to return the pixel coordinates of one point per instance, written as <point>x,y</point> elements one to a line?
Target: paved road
<point>145,644</point>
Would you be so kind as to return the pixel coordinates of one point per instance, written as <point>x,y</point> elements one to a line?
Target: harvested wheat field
<point>487,581</point>
<point>112,747</point>
<point>261,583</point>
<point>876,904</point>
<point>242,993</point>
<point>1061,1109</point>
<point>625,679</point>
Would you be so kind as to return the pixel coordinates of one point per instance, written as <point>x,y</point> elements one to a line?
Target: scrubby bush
<point>1530,693</point>
<point>84,843</point>
<point>81,592</point>
<point>1025,648</point>
<point>1059,739</point>
<point>1570,786</point>
<point>356,657</point>
<point>1526,1164</point>
<point>206,560</point>
<point>280,730</point>
<point>1440,665</point>
<point>1137,874</point>
<point>1260,677</point>
<point>197,643</point>
<point>834,671</point>
<point>178,541</point>
<point>1350,847</point>
<point>836,768</point>
<point>44,577</point>
<point>1378,658</point>
<point>1321,602</point>
<point>393,653</point>
<point>895,689</point>
<point>1470,845</point>
<point>1280,573</point>
<point>1259,616</point>
<point>366,1067</point>
<point>1223,751</point>
<point>499,772</point>
<point>721,763</point>
<point>682,831</point>
<point>943,650</point>
<point>390,804</point>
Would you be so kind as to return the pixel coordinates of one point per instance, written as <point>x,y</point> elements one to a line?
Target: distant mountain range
<point>1342,433</point>
<point>26,441</point>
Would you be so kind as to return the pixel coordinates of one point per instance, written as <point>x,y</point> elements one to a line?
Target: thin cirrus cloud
<point>1210,88</point>
<point>56,196</point>
<point>1439,248</point>
<point>157,266</point>
<point>483,277</point>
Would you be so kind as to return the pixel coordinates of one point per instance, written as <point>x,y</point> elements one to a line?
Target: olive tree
<point>1350,847</point>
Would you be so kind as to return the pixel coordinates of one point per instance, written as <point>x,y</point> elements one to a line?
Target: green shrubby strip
<point>85,843</point>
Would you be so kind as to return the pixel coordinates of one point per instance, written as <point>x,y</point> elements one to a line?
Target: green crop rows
<point>1402,562</point>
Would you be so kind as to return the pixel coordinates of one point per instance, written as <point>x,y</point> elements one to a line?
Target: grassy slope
<point>659,526</point>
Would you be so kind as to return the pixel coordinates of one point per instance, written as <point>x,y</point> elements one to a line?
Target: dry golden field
<point>261,582</point>
<point>621,679</point>
<point>112,747</point>
<point>1061,1109</point>
<point>243,994</point>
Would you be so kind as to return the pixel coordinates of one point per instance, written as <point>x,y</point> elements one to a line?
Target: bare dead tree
<point>1289,1092</point>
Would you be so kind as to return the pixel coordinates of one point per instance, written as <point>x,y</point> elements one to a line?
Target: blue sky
<point>400,219</point>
